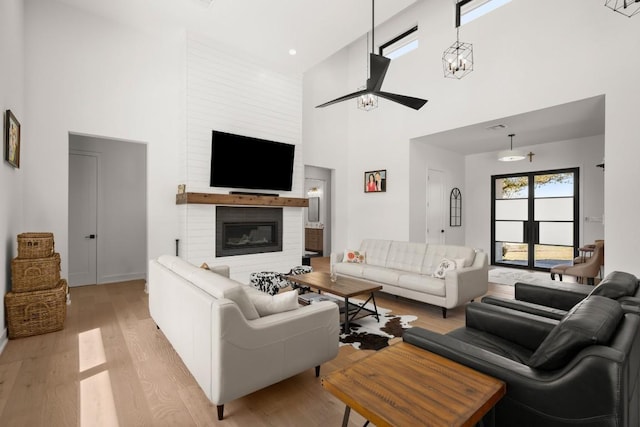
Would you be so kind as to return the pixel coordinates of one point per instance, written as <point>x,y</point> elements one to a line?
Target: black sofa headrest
<point>592,321</point>
<point>617,284</point>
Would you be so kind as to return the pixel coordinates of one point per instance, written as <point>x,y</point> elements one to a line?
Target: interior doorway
<point>534,218</point>
<point>107,210</point>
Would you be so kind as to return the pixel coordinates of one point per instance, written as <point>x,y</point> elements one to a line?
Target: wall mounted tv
<point>250,163</point>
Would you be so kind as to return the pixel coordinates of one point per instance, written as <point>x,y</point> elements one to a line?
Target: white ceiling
<point>573,120</point>
<point>264,29</point>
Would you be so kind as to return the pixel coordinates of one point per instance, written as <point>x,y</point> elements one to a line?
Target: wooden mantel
<point>239,199</point>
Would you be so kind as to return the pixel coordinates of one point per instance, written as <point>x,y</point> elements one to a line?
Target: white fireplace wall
<point>231,92</point>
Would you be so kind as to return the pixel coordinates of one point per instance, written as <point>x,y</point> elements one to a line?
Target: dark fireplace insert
<point>247,230</point>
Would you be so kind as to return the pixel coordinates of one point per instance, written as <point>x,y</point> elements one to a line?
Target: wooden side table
<point>404,385</point>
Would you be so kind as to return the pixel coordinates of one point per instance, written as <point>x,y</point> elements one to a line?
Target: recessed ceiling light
<point>292,52</point>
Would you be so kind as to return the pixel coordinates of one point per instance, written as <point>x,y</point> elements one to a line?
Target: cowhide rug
<point>368,334</point>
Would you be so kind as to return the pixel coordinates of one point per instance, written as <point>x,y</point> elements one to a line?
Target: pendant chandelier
<point>457,60</point>
<point>625,7</point>
<point>511,155</point>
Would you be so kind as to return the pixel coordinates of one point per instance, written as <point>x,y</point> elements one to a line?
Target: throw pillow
<point>592,321</point>
<point>240,297</point>
<point>459,263</point>
<point>271,304</point>
<point>444,266</point>
<point>353,256</point>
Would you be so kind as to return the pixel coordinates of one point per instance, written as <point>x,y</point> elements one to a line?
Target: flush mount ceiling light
<point>378,66</point>
<point>625,7</point>
<point>457,60</point>
<point>511,155</point>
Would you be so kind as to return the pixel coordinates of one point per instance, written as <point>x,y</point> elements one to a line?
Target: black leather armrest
<point>521,328</point>
<point>630,304</point>
<point>527,307</point>
<point>561,296</point>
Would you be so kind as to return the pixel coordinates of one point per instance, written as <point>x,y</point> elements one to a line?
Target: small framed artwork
<point>12,140</point>
<point>375,181</point>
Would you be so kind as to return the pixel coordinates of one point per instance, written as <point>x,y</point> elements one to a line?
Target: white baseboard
<point>122,277</point>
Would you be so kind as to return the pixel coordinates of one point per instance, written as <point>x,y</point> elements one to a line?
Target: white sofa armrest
<point>336,257</point>
<point>250,355</point>
<point>222,270</point>
<point>467,283</point>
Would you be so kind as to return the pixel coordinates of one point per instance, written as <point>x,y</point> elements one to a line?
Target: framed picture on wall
<point>375,181</point>
<point>12,140</point>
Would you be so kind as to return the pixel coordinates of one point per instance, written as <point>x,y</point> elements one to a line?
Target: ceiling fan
<point>378,66</point>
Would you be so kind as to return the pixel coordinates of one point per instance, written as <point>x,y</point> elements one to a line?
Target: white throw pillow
<point>444,266</point>
<point>240,297</point>
<point>459,263</point>
<point>267,304</point>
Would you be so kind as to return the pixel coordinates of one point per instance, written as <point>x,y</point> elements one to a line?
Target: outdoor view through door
<point>533,218</point>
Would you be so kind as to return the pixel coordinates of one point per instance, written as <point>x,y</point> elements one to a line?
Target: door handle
<point>90,236</point>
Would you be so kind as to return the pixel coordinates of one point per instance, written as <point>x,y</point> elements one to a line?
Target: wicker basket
<point>35,245</point>
<point>35,274</point>
<point>38,312</point>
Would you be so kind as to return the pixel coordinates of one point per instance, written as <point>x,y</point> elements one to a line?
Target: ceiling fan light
<point>510,155</point>
<point>367,102</point>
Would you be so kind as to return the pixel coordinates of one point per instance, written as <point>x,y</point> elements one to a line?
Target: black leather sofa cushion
<point>617,284</point>
<point>526,307</point>
<point>592,321</point>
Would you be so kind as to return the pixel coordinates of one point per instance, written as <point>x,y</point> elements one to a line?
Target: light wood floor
<point>110,366</point>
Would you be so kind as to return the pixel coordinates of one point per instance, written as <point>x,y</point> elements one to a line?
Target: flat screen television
<point>250,163</point>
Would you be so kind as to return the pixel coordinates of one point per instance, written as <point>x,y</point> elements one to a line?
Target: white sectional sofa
<point>407,269</point>
<point>212,324</point>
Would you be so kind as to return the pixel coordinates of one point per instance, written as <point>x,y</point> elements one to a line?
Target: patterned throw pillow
<point>353,256</point>
<point>444,266</point>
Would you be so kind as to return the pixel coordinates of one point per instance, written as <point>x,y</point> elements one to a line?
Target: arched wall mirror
<point>455,208</point>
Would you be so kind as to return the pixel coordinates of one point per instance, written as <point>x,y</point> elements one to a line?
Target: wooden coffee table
<point>344,287</point>
<point>404,385</point>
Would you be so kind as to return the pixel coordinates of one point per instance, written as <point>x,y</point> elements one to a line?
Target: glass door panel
<point>533,218</point>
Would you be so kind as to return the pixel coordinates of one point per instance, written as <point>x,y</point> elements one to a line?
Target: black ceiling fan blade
<point>407,101</point>
<point>379,66</point>
<point>344,98</point>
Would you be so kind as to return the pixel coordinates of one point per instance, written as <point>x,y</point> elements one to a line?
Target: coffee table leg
<point>346,315</point>
<point>345,418</point>
<point>375,307</point>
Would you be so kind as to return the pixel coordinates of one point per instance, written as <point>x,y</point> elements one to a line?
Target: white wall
<point>122,206</point>
<point>231,92</point>
<point>11,179</point>
<point>87,75</point>
<point>526,59</point>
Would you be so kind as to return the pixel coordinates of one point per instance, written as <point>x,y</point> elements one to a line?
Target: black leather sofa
<point>583,370</point>
<point>554,300</point>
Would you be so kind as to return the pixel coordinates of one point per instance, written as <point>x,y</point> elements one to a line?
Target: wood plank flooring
<point>111,366</point>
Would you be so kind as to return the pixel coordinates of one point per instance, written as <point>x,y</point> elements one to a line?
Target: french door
<point>534,218</point>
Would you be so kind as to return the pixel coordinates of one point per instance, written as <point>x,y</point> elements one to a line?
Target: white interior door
<point>435,207</point>
<point>83,182</point>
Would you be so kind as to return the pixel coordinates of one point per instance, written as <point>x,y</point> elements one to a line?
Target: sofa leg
<point>560,276</point>
<point>220,411</point>
<point>590,281</point>
<point>553,276</point>
<point>317,371</point>
<point>444,313</point>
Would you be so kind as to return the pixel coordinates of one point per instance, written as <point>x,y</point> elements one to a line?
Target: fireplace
<point>247,230</point>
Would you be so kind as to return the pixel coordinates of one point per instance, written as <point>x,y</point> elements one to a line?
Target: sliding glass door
<point>533,218</point>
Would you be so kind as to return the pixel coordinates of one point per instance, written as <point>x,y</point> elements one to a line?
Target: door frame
<point>530,209</point>
<point>441,213</point>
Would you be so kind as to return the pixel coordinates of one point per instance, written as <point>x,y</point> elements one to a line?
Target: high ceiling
<point>264,29</point>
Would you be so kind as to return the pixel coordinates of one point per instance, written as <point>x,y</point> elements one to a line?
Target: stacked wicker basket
<point>37,303</point>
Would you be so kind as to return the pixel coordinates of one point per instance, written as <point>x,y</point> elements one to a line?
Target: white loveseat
<point>406,269</point>
<point>204,314</point>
